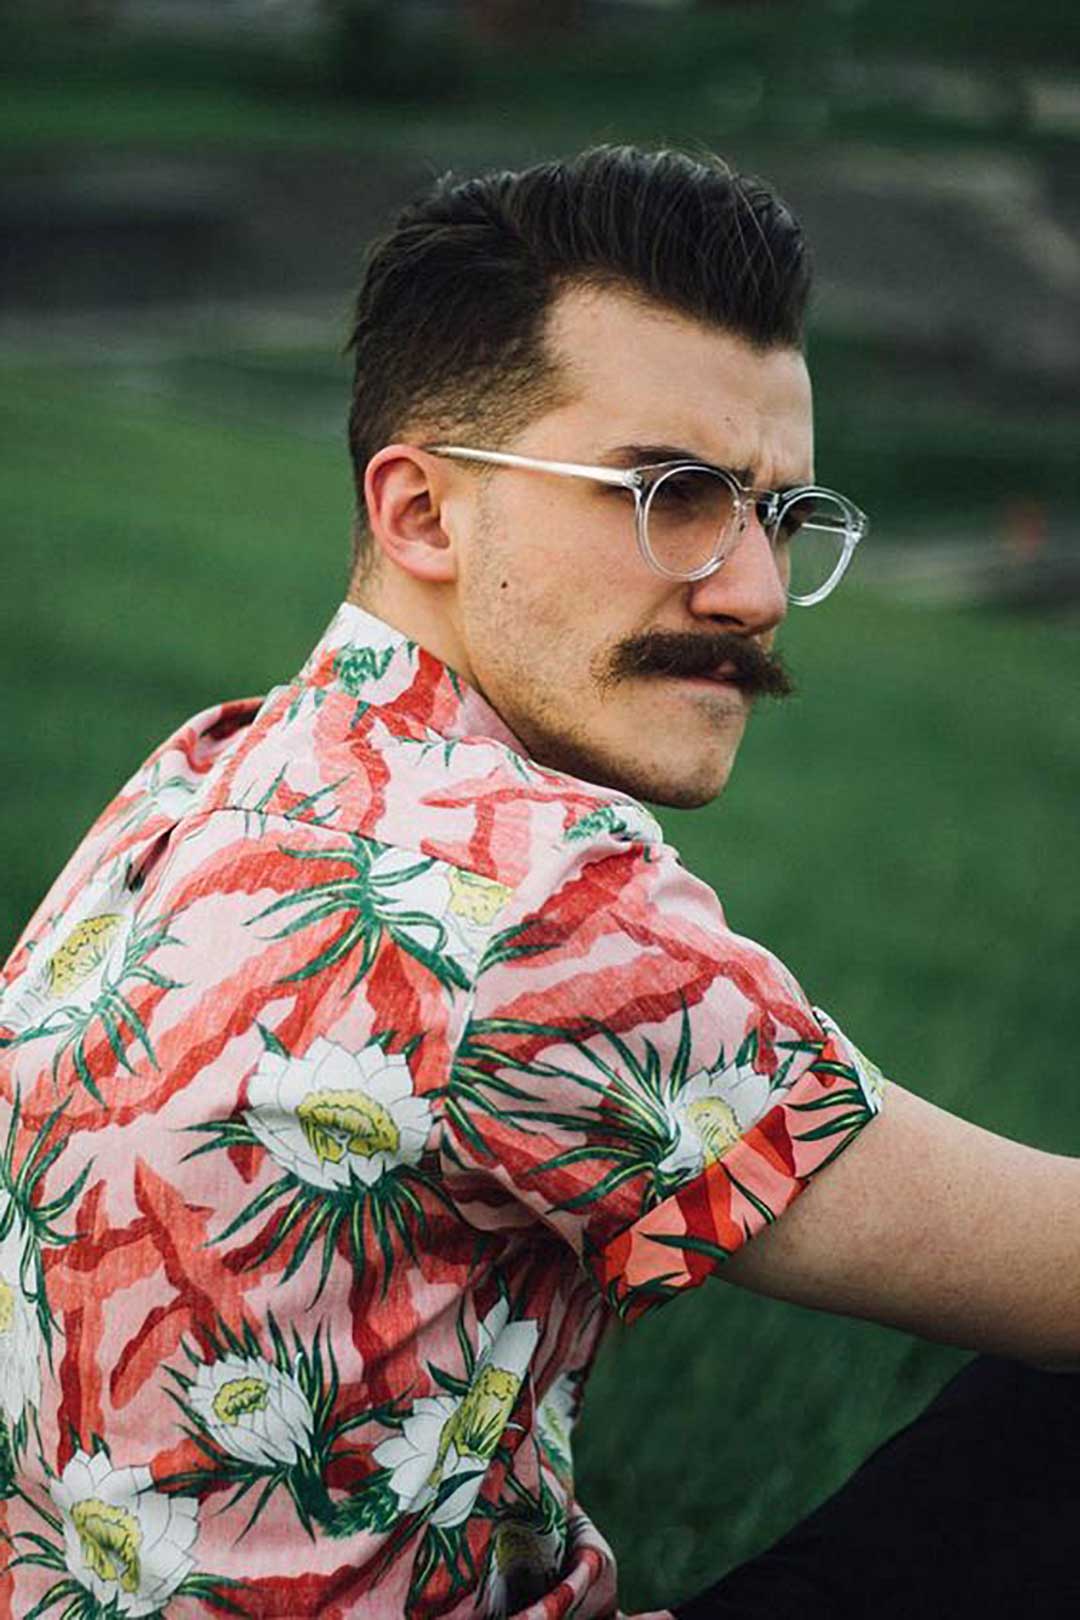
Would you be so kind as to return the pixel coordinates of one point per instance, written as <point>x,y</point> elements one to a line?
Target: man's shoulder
<point>321,757</point>
<point>378,740</point>
<point>170,787</point>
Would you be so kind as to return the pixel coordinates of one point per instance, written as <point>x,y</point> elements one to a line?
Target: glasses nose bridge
<point>766,504</point>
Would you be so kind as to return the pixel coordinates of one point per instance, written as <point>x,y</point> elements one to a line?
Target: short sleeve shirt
<point>354,1073</point>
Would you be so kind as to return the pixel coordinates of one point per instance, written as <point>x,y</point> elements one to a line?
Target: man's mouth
<point>725,674</point>
<point>725,678</point>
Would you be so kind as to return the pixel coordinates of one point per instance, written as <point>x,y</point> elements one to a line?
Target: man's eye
<point>677,486</point>
<point>678,489</point>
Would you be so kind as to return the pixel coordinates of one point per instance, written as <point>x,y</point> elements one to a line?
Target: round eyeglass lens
<point>811,543</point>
<point>690,516</point>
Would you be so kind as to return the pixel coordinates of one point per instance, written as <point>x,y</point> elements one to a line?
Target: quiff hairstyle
<point>451,316</point>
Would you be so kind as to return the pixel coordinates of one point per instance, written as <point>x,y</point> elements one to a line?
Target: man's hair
<point>451,316</point>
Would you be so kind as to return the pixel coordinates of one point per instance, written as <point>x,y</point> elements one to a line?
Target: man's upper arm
<point>933,1225</point>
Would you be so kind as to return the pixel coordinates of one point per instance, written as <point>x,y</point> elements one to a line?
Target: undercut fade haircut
<point>451,317</point>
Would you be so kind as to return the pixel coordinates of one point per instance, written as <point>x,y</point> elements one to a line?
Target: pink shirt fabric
<point>354,1073</point>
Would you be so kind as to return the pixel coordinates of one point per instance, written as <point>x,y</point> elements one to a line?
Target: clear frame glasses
<point>690,516</point>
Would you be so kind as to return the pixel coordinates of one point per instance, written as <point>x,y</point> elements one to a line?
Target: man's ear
<point>404,489</point>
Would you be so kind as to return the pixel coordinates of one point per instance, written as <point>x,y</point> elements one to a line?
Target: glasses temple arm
<point>563,469</point>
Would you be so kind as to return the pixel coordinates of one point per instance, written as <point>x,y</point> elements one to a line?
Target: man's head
<point>620,309</point>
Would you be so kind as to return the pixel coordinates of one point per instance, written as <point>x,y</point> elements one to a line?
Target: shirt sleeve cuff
<point>683,1239</point>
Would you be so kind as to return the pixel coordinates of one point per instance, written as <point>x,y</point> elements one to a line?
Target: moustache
<point>662,652</point>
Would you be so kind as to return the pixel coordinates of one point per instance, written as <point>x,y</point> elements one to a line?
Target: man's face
<point>553,589</point>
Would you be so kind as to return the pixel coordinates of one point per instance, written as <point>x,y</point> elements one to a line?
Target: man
<point>373,1049</point>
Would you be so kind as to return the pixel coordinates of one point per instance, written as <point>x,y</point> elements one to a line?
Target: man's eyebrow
<point>647,455</point>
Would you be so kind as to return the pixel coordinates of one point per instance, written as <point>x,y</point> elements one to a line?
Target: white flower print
<point>710,1114</point>
<point>252,1410</point>
<point>77,958</point>
<point>442,907</point>
<point>555,1423</point>
<point>411,1458</point>
<point>523,1564</point>
<point>444,1439</point>
<point>124,1541</point>
<point>21,1343</point>
<point>336,1118</point>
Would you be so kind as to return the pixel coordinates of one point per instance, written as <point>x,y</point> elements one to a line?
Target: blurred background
<point>186,191</point>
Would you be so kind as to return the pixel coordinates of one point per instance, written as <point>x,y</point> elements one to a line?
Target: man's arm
<point>940,1228</point>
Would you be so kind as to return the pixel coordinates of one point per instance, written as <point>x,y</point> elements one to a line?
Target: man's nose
<point>747,590</point>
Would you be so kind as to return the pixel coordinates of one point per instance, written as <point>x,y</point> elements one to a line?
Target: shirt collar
<point>414,692</point>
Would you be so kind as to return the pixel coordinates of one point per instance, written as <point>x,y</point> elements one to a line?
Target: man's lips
<point>725,676</point>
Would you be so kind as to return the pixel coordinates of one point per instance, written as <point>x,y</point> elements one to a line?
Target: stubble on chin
<point>634,750</point>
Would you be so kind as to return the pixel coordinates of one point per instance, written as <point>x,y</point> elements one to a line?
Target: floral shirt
<point>353,1074</point>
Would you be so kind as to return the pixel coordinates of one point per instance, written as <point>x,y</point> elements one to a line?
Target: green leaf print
<point>28,1222</point>
<point>270,1040</point>
<point>606,819</point>
<point>8,1486</point>
<point>628,823</point>
<point>355,666</point>
<point>447,1550</point>
<point>623,1103</point>
<point>371,901</point>
<point>373,1507</point>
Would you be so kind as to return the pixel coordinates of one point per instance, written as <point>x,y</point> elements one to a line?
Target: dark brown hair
<point>451,315</point>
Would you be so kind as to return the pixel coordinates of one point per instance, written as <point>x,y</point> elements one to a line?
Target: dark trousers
<point>973,1510</point>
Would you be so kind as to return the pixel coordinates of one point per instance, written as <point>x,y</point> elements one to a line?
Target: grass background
<point>783,68</point>
<point>903,833</point>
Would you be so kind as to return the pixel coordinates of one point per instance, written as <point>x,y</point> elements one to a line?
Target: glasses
<point>690,517</point>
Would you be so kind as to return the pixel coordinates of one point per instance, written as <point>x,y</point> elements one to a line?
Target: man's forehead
<point>644,376</point>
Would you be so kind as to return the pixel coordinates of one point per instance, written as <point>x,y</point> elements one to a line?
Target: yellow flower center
<point>240,1396</point>
<point>340,1122</point>
<point>110,1539</point>
<point>84,949</point>
<point>476,898</point>
<point>7,1307</point>
<point>475,1428</point>
<point>717,1127</point>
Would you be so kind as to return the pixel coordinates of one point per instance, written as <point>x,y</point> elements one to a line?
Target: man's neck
<point>427,620</point>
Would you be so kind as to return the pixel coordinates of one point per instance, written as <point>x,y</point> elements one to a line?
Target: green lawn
<point>784,71</point>
<point>903,834</point>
